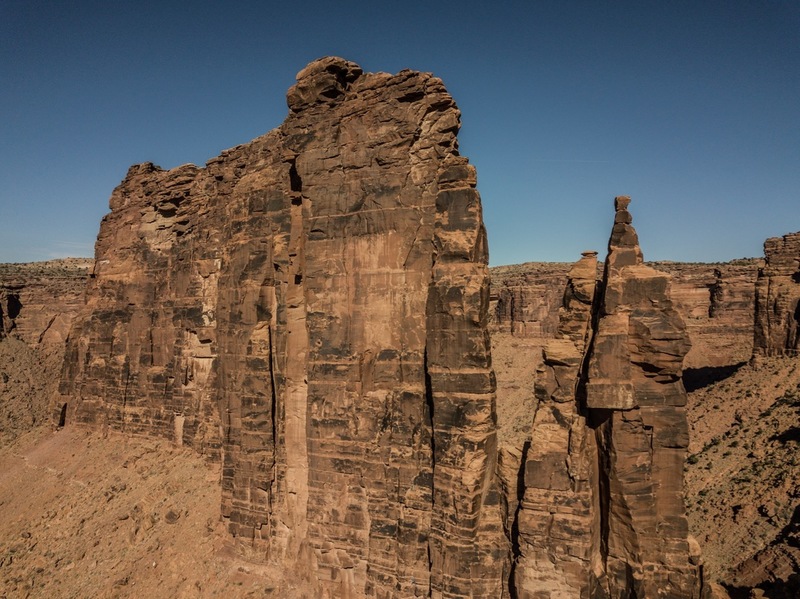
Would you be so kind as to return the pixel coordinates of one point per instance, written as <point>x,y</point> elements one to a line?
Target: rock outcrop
<point>558,519</point>
<point>311,307</point>
<point>777,313</point>
<point>38,300</point>
<point>715,301</point>
<point>526,298</point>
<point>602,511</point>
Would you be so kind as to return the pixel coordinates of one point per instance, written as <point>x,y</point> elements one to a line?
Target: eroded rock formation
<point>312,307</point>
<point>602,511</point>
<point>777,319</point>
<point>557,520</point>
<point>526,298</point>
<point>715,301</point>
<point>38,300</point>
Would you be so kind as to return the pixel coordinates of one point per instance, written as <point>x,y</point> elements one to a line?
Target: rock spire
<point>777,315</point>
<point>602,513</point>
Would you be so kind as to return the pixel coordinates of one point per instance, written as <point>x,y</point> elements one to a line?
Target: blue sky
<point>692,108</point>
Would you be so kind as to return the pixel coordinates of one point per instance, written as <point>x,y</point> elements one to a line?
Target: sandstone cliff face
<point>558,516</point>
<point>715,301</point>
<point>38,300</point>
<point>526,298</point>
<point>777,313</point>
<point>312,308</point>
<point>602,511</point>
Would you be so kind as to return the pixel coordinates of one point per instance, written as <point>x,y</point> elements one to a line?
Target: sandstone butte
<point>311,309</point>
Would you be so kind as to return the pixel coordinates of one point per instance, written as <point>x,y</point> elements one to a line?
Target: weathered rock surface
<point>312,307</point>
<point>557,520</point>
<point>38,300</point>
<point>777,319</point>
<point>715,302</point>
<point>602,511</point>
<point>526,298</point>
<point>637,405</point>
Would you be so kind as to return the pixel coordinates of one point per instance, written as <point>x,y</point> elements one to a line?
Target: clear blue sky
<point>692,108</point>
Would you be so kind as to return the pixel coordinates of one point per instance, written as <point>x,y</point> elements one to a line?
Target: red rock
<point>312,308</point>
<point>777,319</point>
<point>602,511</point>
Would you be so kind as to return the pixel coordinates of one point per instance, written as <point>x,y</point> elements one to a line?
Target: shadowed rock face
<point>777,321</point>
<point>602,511</point>
<point>311,307</point>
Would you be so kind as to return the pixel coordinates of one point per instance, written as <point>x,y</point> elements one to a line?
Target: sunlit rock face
<point>601,511</point>
<point>311,307</point>
<point>715,301</point>
<point>777,321</point>
<point>38,300</point>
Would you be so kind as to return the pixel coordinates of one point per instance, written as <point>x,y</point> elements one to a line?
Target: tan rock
<point>311,307</point>
<point>777,320</point>
<point>602,513</point>
<point>715,301</point>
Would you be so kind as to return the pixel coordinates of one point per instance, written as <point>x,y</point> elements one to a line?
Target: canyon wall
<point>716,301</point>
<point>39,300</point>
<point>777,310</point>
<point>311,307</point>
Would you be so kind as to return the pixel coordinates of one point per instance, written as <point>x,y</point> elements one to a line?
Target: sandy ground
<point>743,473</point>
<point>93,515</point>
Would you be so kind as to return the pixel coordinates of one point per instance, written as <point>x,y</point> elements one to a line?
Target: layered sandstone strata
<point>526,298</point>
<point>602,511</point>
<point>777,313</point>
<point>312,306</point>
<point>715,301</point>
<point>38,300</point>
<point>312,309</point>
<point>557,520</point>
